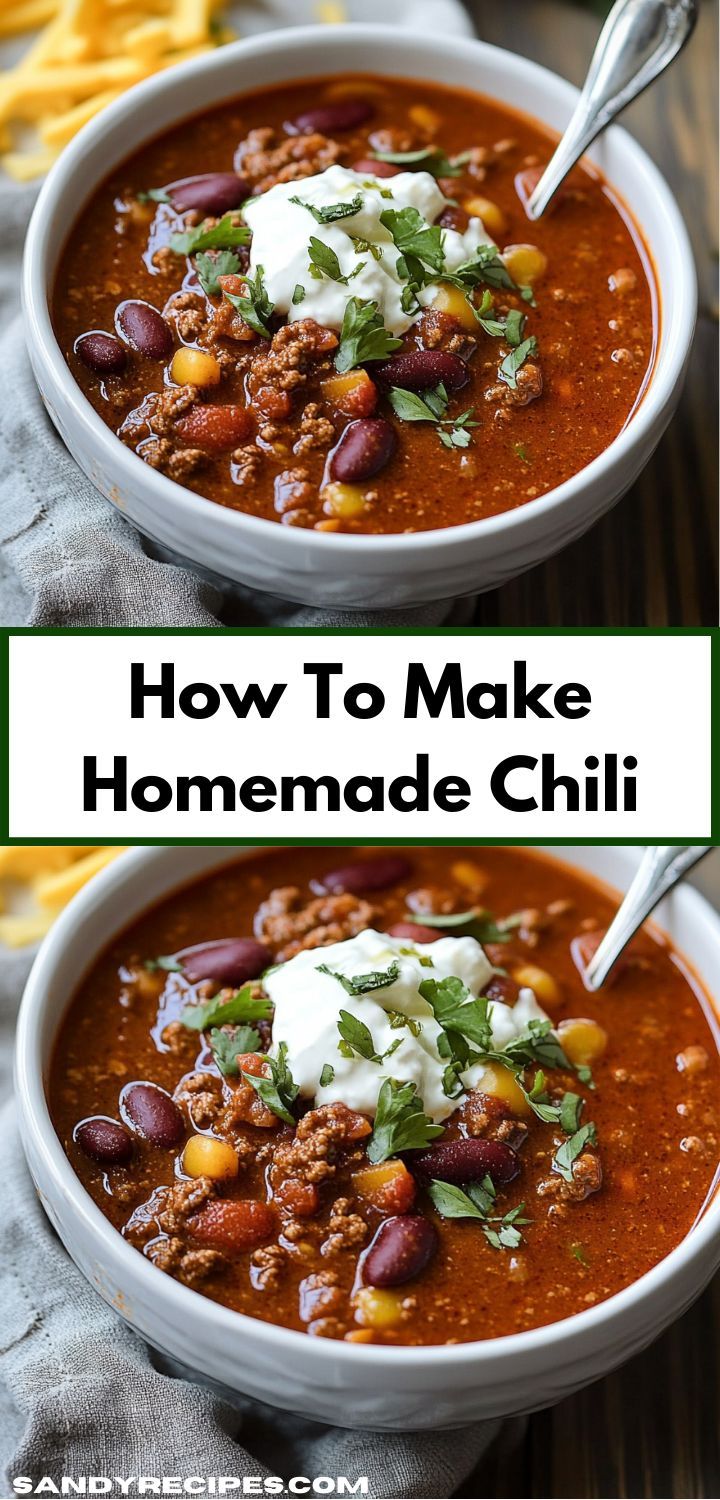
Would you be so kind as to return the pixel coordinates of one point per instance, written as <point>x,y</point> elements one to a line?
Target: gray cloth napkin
<point>66,556</point>
<point>81,1394</point>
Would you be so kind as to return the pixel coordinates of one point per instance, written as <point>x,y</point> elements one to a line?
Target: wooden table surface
<point>653,559</point>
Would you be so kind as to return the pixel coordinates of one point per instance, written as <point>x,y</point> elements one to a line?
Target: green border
<point>447,632</point>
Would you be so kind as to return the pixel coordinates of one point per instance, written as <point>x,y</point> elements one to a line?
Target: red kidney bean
<point>401,1249</point>
<point>233,1225</point>
<point>104,1140</point>
<point>347,114</point>
<point>145,329</point>
<point>501,987</point>
<point>454,217</point>
<point>101,352</point>
<point>365,875</point>
<point>465,1161</point>
<point>153,1114</point>
<point>365,447</point>
<point>414,932</point>
<point>216,428</point>
<point>420,369</point>
<point>376,168</point>
<point>214,193</point>
<point>229,961</point>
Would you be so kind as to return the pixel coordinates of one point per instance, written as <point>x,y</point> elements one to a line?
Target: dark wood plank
<point>653,559</point>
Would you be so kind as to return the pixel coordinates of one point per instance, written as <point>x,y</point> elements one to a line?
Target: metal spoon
<point>638,41</point>
<point>660,870</point>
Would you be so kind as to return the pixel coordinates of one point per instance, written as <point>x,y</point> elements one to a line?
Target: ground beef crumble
<point>265,157</point>
<point>288,927</point>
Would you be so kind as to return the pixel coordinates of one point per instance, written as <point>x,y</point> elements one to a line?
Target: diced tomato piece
<point>233,284</point>
<point>252,1062</point>
<point>354,394</point>
<point>216,428</point>
<point>275,405</point>
<point>233,1225</point>
<point>301,1198</point>
<point>389,1187</point>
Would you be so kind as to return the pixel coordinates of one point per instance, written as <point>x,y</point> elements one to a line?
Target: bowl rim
<point>196,509</point>
<point>184,1301</point>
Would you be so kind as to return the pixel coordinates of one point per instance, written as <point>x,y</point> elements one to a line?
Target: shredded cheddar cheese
<point>86,54</point>
<point>37,881</point>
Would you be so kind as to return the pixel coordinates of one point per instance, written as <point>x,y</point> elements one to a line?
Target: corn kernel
<point>526,263</point>
<point>492,216</point>
<point>451,300</point>
<point>425,118</point>
<point>378,1308</point>
<point>470,875</point>
<point>583,1041</point>
<point>350,88</point>
<point>500,1082</point>
<point>206,1156</point>
<point>194,367</point>
<point>344,500</point>
<point>360,1336</point>
<point>530,977</point>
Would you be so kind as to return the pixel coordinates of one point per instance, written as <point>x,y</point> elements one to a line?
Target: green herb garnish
<point>327,1075</point>
<point>255,308</point>
<point>430,159</point>
<point>225,235</point>
<point>228,1046</point>
<point>475,923</point>
<point>568,1153</point>
<point>475,1203</point>
<point>166,962</point>
<point>400,1122</point>
<point>243,1006</point>
<point>324,262</point>
<point>330,212</point>
<point>421,245</point>
<point>362,984</point>
<point>514,361</point>
<point>210,267</point>
<point>454,432</point>
<point>363,336</point>
<point>299,294</point>
<point>358,1037</point>
<point>154,195</point>
<point>579,1254</point>
<point>280,1090</point>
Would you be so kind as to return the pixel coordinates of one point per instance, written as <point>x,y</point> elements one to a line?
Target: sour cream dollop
<point>308,1002</point>
<point>281,232</point>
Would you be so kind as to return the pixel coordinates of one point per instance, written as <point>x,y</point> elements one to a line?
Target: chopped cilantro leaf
<point>278,1091</point>
<point>299,294</point>
<point>420,244</point>
<point>255,307</point>
<point>225,235</point>
<point>400,1122</point>
<point>243,1006</point>
<point>327,1075</point>
<point>358,1037</point>
<point>454,1203</point>
<point>154,195</point>
<point>228,1046</point>
<point>361,984</point>
<point>363,336</point>
<point>330,212</point>
<point>324,262</point>
<point>515,359</point>
<point>167,962</point>
<point>210,267</point>
<point>430,159</point>
<point>568,1153</point>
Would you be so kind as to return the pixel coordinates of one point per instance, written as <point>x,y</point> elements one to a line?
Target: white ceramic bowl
<point>351,1385</point>
<point>351,572</point>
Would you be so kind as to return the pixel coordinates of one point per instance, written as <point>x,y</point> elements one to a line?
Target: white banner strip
<point>360,737</point>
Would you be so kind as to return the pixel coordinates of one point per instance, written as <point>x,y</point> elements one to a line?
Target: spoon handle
<point>638,40</point>
<point>660,870</point>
